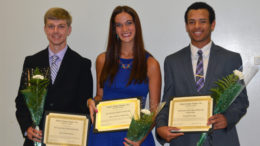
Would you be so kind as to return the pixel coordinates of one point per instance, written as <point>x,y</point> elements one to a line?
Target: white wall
<point>164,33</point>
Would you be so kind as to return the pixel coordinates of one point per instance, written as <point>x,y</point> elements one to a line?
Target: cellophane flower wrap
<point>35,93</point>
<point>227,90</point>
<point>140,126</point>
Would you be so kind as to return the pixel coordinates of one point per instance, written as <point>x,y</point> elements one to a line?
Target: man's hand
<point>165,133</point>
<point>219,121</point>
<point>34,135</point>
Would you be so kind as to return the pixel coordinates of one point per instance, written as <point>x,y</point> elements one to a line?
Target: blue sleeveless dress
<point>117,90</point>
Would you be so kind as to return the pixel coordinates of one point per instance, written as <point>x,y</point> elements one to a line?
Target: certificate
<point>114,115</point>
<point>190,114</point>
<point>65,129</point>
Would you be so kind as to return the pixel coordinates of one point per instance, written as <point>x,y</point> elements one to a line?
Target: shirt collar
<point>205,49</point>
<point>59,54</point>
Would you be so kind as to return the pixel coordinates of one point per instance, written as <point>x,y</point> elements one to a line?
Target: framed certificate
<point>115,115</point>
<point>65,129</point>
<point>190,114</point>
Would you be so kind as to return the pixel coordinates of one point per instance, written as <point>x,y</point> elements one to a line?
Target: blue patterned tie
<point>54,67</point>
<point>199,72</point>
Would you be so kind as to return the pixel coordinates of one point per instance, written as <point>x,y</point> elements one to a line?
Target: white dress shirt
<point>195,57</point>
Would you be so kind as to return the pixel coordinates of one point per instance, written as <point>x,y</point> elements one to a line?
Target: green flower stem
<point>203,137</point>
<point>37,143</point>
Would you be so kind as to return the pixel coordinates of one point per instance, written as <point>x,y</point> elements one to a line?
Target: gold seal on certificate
<point>65,129</point>
<point>116,114</point>
<point>190,114</point>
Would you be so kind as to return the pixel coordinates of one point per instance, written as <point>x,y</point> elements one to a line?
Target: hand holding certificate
<point>116,114</point>
<point>190,114</point>
<point>65,129</point>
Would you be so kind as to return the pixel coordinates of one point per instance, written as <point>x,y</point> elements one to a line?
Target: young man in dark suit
<point>71,83</point>
<point>183,78</point>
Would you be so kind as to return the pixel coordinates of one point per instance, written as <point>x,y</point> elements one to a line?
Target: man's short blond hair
<point>58,14</point>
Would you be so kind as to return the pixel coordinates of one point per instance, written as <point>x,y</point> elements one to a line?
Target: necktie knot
<point>200,53</point>
<point>54,59</point>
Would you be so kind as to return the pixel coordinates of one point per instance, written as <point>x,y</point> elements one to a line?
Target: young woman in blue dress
<point>125,70</point>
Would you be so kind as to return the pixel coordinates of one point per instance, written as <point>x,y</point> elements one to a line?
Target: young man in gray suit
<point>73,84</point>
<point>183,78</point>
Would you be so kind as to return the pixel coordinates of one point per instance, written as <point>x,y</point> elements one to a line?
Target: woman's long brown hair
<point>139,68</point>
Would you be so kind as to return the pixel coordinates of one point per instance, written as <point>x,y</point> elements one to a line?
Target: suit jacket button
<point>51,104</point>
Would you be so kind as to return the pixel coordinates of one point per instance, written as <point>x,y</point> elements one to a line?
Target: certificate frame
<point>65,129</point>
<point>108,119</point>
<point>190,114</point>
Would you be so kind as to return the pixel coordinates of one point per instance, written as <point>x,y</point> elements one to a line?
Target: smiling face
<point>199,28</point>
<point>57,32</point>
<point>125,27</point>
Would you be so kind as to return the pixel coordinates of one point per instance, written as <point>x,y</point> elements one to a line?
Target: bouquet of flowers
<point>34,94</point>
<point>227,90</point>
<point>140,126</point>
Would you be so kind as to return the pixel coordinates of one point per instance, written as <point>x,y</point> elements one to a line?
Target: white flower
<point>239,74</point>
<point>38,77</point>
<point>145,111</point>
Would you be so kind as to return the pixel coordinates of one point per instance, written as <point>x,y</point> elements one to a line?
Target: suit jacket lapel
<point>188,70</point>
<point>62,68</point>
<point>43,60</point>
<point>212,67</point>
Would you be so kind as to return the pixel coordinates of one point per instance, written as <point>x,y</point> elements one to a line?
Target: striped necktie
<point>199,72</point>
<point>54,67</point>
